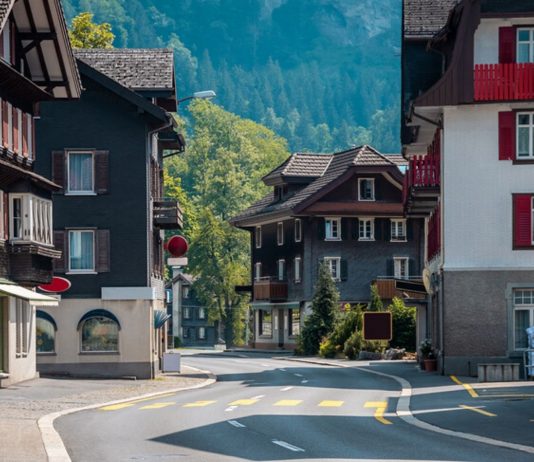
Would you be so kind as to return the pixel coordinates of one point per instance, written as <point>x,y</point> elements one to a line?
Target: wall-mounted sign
<point>57,285</point>
<point>377,325</point>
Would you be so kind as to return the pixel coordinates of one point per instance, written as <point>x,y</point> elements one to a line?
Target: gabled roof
<point>300,165</point>
<point>339,164</point>
<point>424,18</point>
<point>135,68</point>
<point>5,8</point>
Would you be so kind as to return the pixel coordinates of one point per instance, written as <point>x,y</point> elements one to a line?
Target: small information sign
<point>377,325</point>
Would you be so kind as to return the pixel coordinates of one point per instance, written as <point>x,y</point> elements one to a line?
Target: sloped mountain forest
<point>324,74</point>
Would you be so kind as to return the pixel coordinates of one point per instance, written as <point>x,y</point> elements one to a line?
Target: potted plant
<point>427,353</point>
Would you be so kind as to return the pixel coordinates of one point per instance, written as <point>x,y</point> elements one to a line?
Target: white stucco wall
<point>477,192</point>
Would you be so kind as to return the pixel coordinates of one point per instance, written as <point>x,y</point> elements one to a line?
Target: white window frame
<point>362,226</point>
<point>88,192</point>
<point>201,333</point>
<point>185,292</point>
<point>82,271</point>
<point>530,42</point>
<point>330,262</point>
<point>372,180</point>
<point>257,271</point>
<point>298,230</point>
<point>397,267</point>
<point>186,312</point>
<point>297,264</point>
<point>396,224</point>
<point>281,265</point>
<point>258,237</point>
<point>37,225</point>
<point>522,307</point>
<point>280,233</point>
<point>6,33</point>
<point>201,312</point>
<point>329,234</point>
<point>530,127</point>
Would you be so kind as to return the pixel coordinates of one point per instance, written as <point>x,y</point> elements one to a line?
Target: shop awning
<point>269,306</point>
<point>160,318</point>
<point>33,298</point>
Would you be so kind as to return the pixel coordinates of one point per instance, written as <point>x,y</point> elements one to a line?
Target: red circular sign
<point>177,246</point>
<point>57,285</point>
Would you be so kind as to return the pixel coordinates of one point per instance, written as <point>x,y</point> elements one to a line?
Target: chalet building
<point>36,65</point>
<point>105,151</point>
<point>468,93</point>
<point>344,209</point>
<point>190,322</point>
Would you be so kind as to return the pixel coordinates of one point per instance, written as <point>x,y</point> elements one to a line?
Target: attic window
<point>280,192</point>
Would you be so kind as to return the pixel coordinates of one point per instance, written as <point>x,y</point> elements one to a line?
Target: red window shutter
<point>5,125</point>
<point>522,220</point>
<point>15,121</point>
<point>60,243</point>
<point>58,168</point>
<point>507,44</point>
<point>25,135</point>
<point>507,135</point>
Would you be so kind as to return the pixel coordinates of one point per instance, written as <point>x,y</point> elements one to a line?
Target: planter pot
<point>431,365</point>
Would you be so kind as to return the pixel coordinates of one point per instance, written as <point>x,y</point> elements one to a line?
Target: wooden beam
<point>37,36</point>
<point>40,53</point>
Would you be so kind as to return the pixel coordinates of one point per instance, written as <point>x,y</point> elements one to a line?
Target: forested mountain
<point>322,73</point>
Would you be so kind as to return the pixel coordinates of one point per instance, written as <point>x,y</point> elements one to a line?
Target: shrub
<point>372,346</point>
<point>327,349</point>
<point>404,325</point>
<point>353,345</point>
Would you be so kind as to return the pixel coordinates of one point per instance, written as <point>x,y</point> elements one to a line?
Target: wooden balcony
<point>421,185</point>
<point>270,290</point>
<point>167,214</point>
<point>387,289</point>
<point>504,82</point>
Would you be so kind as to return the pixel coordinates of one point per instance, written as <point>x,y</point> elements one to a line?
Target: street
<point>265,408</point>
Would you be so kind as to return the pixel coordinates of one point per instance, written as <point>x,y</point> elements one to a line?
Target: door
<point>281,323</point>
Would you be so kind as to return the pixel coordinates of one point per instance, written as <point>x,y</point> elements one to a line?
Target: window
<point>298,230</point>
<point>523,317</point>
<point>281,270</point>
<point>100,334</point>
<point>185,332</point>
<point>366,229</point>
<point>201,312</point>
<point>366,189</point>
<point>332,229</point>
<point>258,237</point>
<point>298,262</point>
<point>80,172</point>
<point>525,45</point>
<point>81,251</point>
<point>6,42</point>
<point>22,331</point>
<point>294,322</point>
<point>401,265</point>
<point>334,266</point>
<point>30,219</point>
<point>398,230</point>
<point>257,271</point>
<point>265,323</point>
<point>187,312</point>
<point>45,333</point>
<point>202,333</point>
<point>525,135</point>
<point>185,292</point>
<point>280,233</point>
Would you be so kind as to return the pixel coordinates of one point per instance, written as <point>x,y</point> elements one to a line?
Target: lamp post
<point>205,94</point>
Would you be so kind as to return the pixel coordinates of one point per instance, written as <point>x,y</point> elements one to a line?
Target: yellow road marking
<point>288,402</point>
<point>468,387</point>
<point>244,402</point>
<point>116,407</point>
<point>157,405</point>
<point>331,403</point>
<point>199,404</point>
<point>480,411</point>
<point>381,407</point>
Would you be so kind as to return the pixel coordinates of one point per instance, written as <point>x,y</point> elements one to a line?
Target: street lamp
<point>205,94</point>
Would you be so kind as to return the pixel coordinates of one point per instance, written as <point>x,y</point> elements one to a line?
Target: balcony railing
<point>167,214</point>
<point>504,82</point>
<point>423,172</point>
<point>433,239</point>
<point>267,289</point>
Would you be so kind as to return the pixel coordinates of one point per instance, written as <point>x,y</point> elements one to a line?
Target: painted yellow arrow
<point>381,407</point>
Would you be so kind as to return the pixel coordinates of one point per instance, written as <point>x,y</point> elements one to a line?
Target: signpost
<point>377,325</point>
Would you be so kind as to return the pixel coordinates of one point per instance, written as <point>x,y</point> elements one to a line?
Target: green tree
<point>84,33</point>
<point>404,325</point>
<point>321,320</point>
<point>376,303</point>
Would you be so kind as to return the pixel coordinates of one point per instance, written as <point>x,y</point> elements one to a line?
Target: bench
<point>498,372</point>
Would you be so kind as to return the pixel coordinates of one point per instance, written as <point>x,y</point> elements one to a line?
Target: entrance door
<point>281,314</point>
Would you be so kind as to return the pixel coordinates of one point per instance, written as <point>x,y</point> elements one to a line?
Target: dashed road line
<point>477,409</point>
<point>298,375</point>
<point>157,406</point>
<point>304,381</point>
<point>327,403</point>
<point>282,370</point>
<point>468,387</point>
<point>116,407</point>
<point>236,424</point>
<point>380,410</point>
<point>230,408</point>
<point>199,404</point>
<point>288,446</point>
<point>286,388</point>
<point>244,402</point>
<point>288,402</point>
<point>258,397</point>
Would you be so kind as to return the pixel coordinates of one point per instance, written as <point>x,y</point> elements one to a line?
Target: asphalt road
<point>264,409</point>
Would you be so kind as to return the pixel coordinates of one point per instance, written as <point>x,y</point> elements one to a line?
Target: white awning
<point>33,298</point>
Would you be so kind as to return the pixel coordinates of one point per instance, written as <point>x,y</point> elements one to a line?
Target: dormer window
<point>366,189</point>
<point>280,192</point>
<point>525,45</point>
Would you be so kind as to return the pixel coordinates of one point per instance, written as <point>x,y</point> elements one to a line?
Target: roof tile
<point>424,18</point>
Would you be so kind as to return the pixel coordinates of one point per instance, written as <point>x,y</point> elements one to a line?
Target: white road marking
<point>298,375</point>
<point>258,397</point>
<point>265,365</point>
<point>288,446</point>
<point>283,370</point>
<point>236,424</point>
<point>304,381</point>
<point>230,409</point>
<point>286,388</point>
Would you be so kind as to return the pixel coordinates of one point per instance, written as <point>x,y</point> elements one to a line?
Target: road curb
<point>405,413</point>
<point>53,444</point>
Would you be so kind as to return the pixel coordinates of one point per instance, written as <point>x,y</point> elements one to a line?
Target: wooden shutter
<point>101,172</point>
<point>344,222</point>
<point>390,267</point>
<point>379,228</point>
<point>412,267</point>
<point>409,229</point>
<point>344,270</point>
<point>58,168</point>
<point>25,134</point>
<point>15,123</point>
<point>507,135</point>
<point>386,235</point>
<point>60,244</point>
<point>320,229</point>
<point>5,123</point>
<point>355,228</point>
<point>522,220</point>
<point>507,44</point>
<point>102,251</point>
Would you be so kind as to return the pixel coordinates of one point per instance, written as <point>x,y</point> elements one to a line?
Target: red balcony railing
<point>433,238</point>
<point>423,171</point>
<point>504,82</point>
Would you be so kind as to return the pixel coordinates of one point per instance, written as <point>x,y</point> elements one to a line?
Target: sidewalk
<point>23,404</point>
<point>502,411</point>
